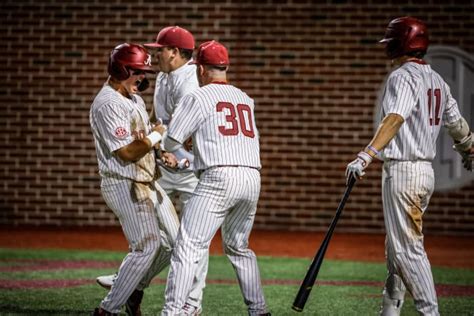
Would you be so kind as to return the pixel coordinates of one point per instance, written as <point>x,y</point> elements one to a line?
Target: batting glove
<point>468,159</point>
<point>356,168</point>
<point>464,148</point>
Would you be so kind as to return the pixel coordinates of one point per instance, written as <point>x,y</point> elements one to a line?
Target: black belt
<point>235,166</point>
<point>199,172</point>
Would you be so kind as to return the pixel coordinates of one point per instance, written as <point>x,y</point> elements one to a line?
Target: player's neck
<point>215,77</point>
<point>177,63</point>
<point>118,87</point>
<point>406,59</point>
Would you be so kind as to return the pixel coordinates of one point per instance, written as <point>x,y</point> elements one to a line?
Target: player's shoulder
<point>184,79</point>
<point>108,101</point>
<point>138,99</point>
<point>105,96</point>
<point>212,91</point>
<point>436,75</point>
<point>408,72</point>
<point>197,96</point>
<point>239,93</point>
<point>186,72</point>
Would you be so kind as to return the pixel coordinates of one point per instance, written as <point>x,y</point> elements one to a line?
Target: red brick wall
<point>313,69</point>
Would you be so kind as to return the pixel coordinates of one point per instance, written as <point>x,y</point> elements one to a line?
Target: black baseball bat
<point>312,274</point>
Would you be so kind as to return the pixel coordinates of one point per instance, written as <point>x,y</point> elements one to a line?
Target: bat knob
<point>296,308</point>
<point>183,164</point>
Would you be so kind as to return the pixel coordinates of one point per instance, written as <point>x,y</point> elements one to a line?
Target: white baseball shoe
<point>106,281</point>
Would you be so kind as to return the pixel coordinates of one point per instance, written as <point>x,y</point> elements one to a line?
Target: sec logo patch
<point>121,132</point>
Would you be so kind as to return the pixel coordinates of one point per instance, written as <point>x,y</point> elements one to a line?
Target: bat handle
<point>183,164</point>
<point>351,182</point>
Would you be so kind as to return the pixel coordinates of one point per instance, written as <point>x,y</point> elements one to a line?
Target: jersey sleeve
<point>186,119</point>
<point>188,85</point>
<point>159,97</point>
<point>113,121</point>
<point>451,113</point>
<point>400,95</point>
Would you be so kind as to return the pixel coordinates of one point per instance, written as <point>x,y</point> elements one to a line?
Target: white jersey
<point>220,118</point>
<point>115,121</point>
<point>418,94</point>
<point>170,88</point>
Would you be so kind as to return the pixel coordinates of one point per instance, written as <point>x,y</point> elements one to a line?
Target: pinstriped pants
<point>225,197</point>
<point>184,184</point>
<point>407,187</point>
<point>150,228</point>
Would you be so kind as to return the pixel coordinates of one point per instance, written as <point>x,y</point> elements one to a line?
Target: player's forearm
<point>386,131</point>
<point>139,147</point>
<point>135,150</point>
<point>182,153</point>
<point>461,134</point>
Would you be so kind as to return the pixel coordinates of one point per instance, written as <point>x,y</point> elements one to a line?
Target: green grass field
<point>36,282</point>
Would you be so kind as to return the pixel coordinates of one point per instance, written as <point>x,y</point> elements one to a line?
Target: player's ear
<point>201,70</point>
<point>175,52</point>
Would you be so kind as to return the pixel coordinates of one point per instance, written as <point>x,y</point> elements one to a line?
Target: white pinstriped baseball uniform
<point>220,119</point>
<point>418,94</point>
<point>169,89</point>
<point>145,212</point>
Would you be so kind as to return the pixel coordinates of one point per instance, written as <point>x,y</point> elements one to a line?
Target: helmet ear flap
<point>117,70</point>
<point>145,84</point>
<point>394,48</point>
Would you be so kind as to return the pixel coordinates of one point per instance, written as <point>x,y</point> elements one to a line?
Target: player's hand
<point>169,160</point>
<point>465,149</point>
<point>357,166</point>
<point>160,128</point>
<point>468,159</point>
<point>188,144</point>
<point>139,135</point>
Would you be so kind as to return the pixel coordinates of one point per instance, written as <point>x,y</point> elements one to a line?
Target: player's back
<point>228,135</point>
<point>421,96</point>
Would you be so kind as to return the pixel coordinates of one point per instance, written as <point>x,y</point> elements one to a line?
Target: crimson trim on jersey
<point>219,82</point>
<point>416,60</point>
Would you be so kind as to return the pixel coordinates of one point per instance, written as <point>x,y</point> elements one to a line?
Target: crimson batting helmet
<point>405,35</point>
<point>126,57</point>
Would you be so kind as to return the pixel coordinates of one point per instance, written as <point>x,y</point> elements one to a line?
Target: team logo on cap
<point>121,132</point>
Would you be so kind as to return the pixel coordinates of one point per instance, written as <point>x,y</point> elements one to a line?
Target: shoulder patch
<point>121,132</point>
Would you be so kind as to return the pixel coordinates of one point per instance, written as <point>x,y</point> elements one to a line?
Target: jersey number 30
<point>236,116</point>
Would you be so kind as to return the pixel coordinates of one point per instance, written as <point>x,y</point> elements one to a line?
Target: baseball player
<point>220,119</point>
<point>174,48</point>
<point>127,168</point>
<point>415,104</point>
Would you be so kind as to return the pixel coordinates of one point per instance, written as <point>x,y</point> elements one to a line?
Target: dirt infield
<point>442,250</point>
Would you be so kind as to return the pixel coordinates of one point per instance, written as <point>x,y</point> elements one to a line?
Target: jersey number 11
<point>437,95</point>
